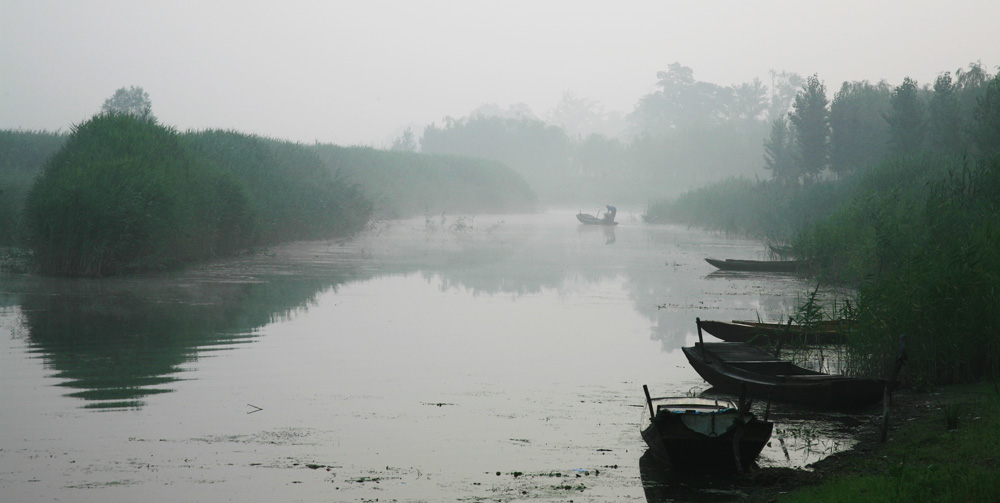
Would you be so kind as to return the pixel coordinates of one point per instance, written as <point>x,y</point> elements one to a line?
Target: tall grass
<point>752,208</point>
<point>123,194</point>
<point>921,240</point>
<point>126,194</point>
<point>292,194</point>
<point>918,237</point>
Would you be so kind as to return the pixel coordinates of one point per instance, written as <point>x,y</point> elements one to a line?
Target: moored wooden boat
<point>771,333</point>
<point>592,220</point>
<point>757,265</point>
<point>700,433</point>
<point>737,366</point>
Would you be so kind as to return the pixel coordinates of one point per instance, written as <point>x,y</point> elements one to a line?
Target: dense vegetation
<point>915,230</point>
<point>403,183</point>
<point>291,193</point>
<point>125,193</point>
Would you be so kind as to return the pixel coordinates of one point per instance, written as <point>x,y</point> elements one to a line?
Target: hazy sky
<point>355,72</point>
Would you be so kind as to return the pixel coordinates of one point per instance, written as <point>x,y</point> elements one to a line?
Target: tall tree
<point>779,153</point>
<point>579,117</point>
<point>811,119</point>
<point>986,127</point>
<point>134,101</point>
<point>945,125</point>
<point>681,103</point>
<point>859,135</point>
<point>406,142</point>
<point>906,119</point>
<point>784,87</point>
<point>750,101</point>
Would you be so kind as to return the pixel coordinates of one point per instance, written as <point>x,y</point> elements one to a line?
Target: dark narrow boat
<point>735,366</point>
<point>592,220</point>
<point>771,333</point>
<point>702,433</point>
<point>757,265</point>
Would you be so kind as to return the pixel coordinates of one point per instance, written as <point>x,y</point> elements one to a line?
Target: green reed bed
<point>126,194</point>
<point>923,254</point>
<point>292,194</point>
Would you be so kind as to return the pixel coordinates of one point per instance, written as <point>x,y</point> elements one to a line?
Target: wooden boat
<point>771,333</point>
<point>757,265</point>
<point>735,366</point>
<point>702,433</point>
<point>592,220</point>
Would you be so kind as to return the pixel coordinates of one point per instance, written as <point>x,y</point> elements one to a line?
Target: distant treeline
<point>403,184</point>
<point>601,169</point>
<point>122,193</point>
<point>916,231</point>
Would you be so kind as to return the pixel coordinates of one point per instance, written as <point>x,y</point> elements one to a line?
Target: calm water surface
<point>452,359</point>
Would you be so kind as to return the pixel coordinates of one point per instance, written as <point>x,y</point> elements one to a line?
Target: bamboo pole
<point>890,384</point>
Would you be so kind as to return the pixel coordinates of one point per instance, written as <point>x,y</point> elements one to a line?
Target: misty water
<point>486,358</point>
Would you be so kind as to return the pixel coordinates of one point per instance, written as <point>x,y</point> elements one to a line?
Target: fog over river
<point>447,358</point>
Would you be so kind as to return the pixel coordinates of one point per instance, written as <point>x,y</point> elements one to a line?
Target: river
<point>448,358</point>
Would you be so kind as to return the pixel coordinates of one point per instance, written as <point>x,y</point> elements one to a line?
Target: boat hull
<point>592,220</point>
<point>757,265</point>
<point>704,440</point>
<point>737,367</point>
<point>771,333</point>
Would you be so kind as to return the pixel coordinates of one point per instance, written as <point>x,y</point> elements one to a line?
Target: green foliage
<point>987,118</point>
<point>292,194</point>
<point>22,155</point>
<point>744,207</point>
<point>945,126</point>
<point>921,240</point>
<point>811,120</point>
<point>122,195</point>
<point>906,118</point>
<point>779,153</point>
<point>925,461</point>
<point>125,194</point>
<point>859,133</point>
<point>407,183</point>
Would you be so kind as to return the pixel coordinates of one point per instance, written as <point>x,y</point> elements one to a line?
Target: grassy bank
<point>944,446</point>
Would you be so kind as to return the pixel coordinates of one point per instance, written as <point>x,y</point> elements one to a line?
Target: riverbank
<point>944,442</point>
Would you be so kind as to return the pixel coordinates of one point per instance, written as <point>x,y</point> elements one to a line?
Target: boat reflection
<point>662,484</point>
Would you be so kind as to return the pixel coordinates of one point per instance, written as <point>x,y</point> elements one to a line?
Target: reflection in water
<point>115,341</point>
<point>661,484</point>
<point>523,336</point>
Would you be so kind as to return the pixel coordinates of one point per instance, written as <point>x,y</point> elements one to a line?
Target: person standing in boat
<point>609,216</point>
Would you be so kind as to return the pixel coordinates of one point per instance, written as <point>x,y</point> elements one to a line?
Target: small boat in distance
<point>699,433</point>
<point>592,220</point>
<point>759,333</point>
<point>757,265</point>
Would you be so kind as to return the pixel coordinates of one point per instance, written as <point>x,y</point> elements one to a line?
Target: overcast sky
<point>355,72</point>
